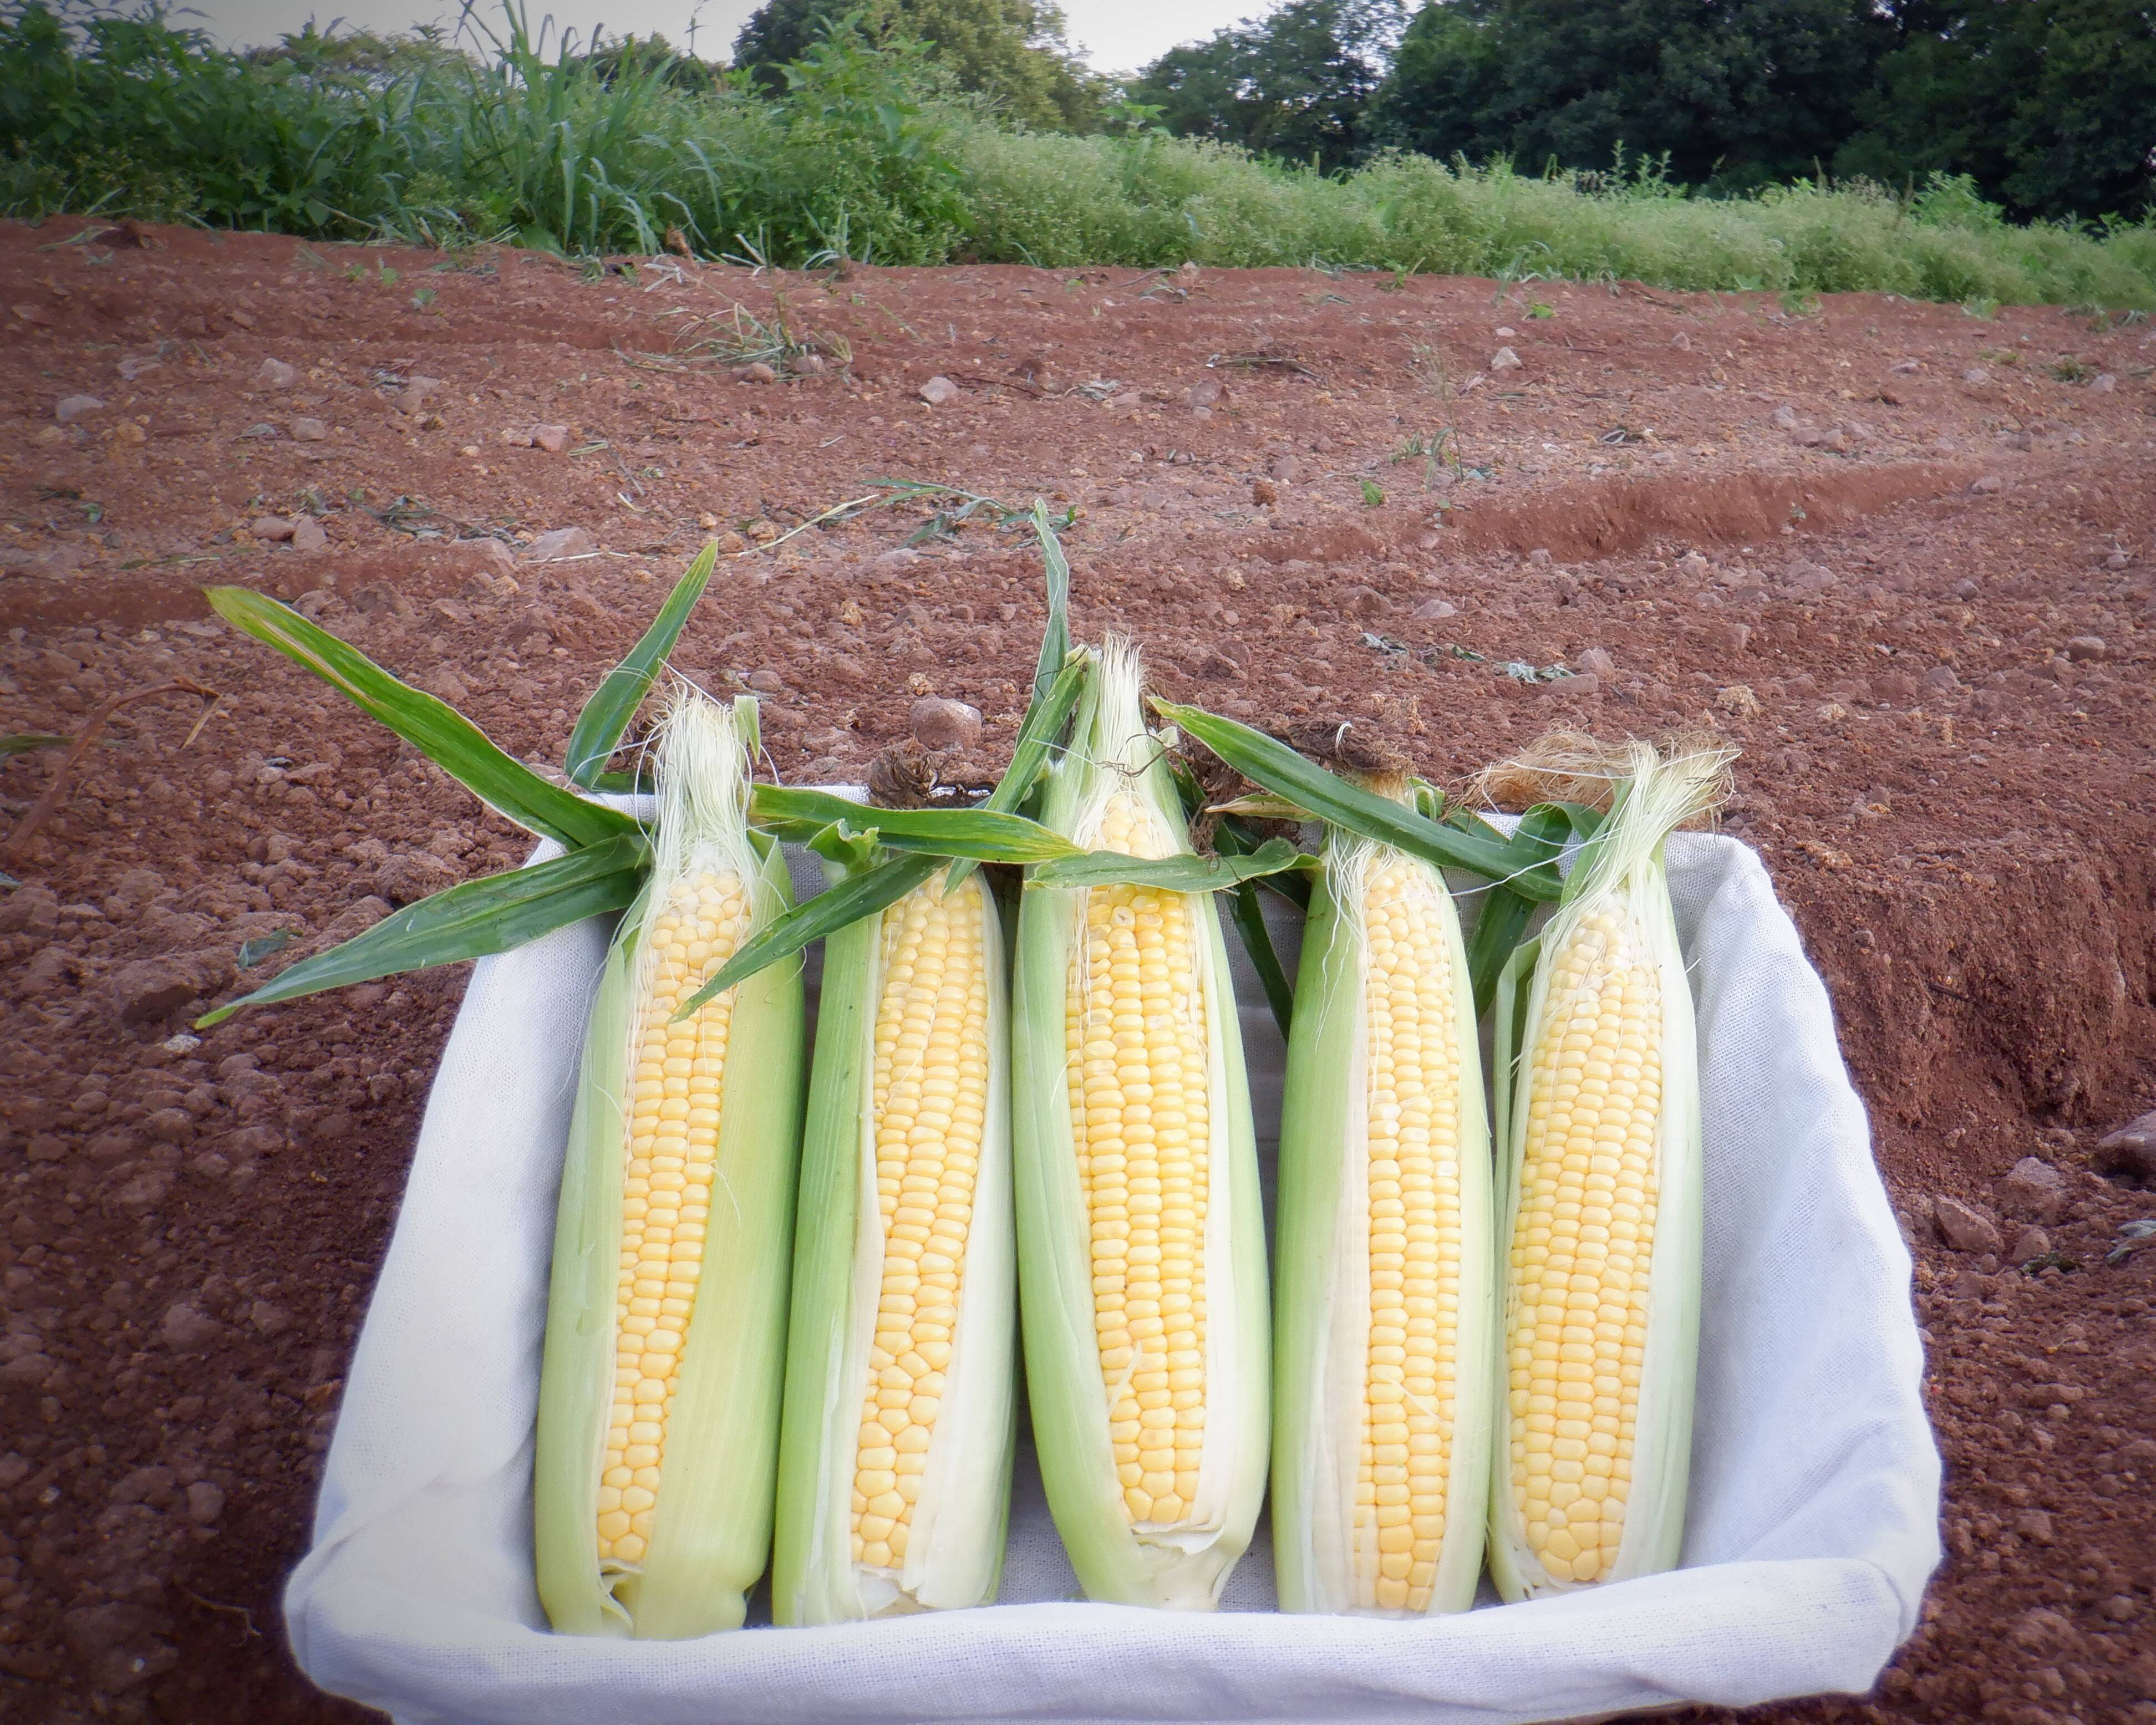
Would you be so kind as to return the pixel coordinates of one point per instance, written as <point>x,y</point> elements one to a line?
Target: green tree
<point>1015,52</point>
<point>1294,83</point>
<point>1734,93</point>
<point>2048,105</point>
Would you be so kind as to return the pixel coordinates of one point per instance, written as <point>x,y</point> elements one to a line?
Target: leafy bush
<point>864,154</point>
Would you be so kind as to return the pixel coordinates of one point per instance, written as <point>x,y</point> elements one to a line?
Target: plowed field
<point>1902,556</point>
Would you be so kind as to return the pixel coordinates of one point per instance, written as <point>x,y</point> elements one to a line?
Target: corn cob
<point>1140,1249</point>
<point>659,1396</point>
<point>1385,1326</point>
<point>1602,1214</point>
<point>894,1486</point>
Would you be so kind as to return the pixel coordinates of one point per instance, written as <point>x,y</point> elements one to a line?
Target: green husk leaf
<point>811,919</point>
<point>1232,837</point>
<point>434,727</point>
<point>1502,916</point>
<point>614,704</point>
<point>469,921</point>
<point>1249,911</point>
<point>986,835</point>
<point>1280,769</point>
<point>29,742</point>
<point>835,843</point>
<point>1171,874</point>
<point>1055,638</point>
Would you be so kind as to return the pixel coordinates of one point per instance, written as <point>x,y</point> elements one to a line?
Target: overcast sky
<point>1117,35</point>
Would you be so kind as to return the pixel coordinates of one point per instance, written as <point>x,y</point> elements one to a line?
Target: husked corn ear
<point>895,1480</point>
<point>1582,1249</point>
<point>1138,1075</point>
<point>1603,1225</point>
<point>659,1394</point>
<point>1386,1319</point>
<point>678,1080</point>
<point>1141,1248</point>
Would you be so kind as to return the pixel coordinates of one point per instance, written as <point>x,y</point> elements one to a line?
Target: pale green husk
<point>1180,1569</point>
<point>1322,1308</point>
<point>711,1531</point>
<point>1623,867</point>
<point>955,1555</point>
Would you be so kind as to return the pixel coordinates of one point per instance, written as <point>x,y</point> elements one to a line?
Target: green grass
<point>527,138</point>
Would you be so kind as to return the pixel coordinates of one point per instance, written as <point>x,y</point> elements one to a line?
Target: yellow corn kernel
<point>1140,1086</point>
<point>1413,1134</point>
<point>672,1144</point>
<point>1582,1247</point>
<point>930,1097</point>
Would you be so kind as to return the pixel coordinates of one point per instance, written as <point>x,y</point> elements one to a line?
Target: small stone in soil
<point>2033,1187</point>
<point>938,390</point>
<point>947,725</point>
<point>72,408</point>
<point>2029,1244</point>
<point>552,547</point>
<point>1964,1229</point>
<point>2131,1150</point>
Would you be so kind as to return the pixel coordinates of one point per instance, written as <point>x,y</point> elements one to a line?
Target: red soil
<point>1923,608</point>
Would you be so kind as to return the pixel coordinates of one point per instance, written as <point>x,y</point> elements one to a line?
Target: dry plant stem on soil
<point>40,811</point>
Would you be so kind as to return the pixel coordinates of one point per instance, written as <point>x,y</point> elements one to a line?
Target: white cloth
<point>1813,1524</point>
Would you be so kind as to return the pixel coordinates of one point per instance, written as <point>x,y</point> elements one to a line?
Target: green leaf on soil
<point>29,743</point>
<point>434,727</point>
<point>253,952</point>
<point>470,921</point>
